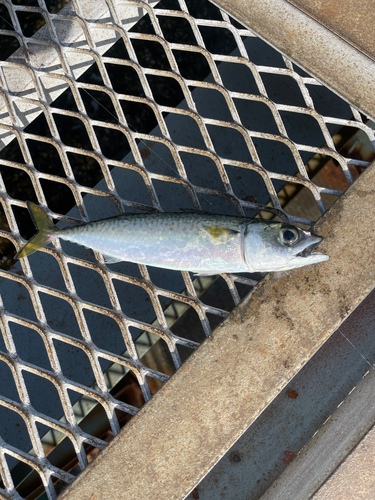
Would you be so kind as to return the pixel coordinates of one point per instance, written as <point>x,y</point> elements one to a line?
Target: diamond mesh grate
<point>125,106</point>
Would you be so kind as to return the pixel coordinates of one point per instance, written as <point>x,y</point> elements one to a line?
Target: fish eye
<point>288,236</point>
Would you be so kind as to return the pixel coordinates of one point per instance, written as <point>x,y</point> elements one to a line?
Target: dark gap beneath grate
<point>43,396</point>
<point>89,285</point>
<point>140,117</point>
<point>229,143</point>
<point>179,135</point>
<point>325,101</point>
<point>256,116</point>
<point>98,106</point>
<point>112,142</point>
<point>60,315</point>
<point>206,176</point>
<point>124,79</point>
<point>245,181</point>
<point>245,82</point>
<point>144,25</point>
<point>151,54</point>
<point>177,30</point>
<point>98,323</point>
<point>283,89</point>
<point>201,11</point>
<point>134,187</point>
<point>31,348</point>
<point>278,150</point>
<point>53,202</point>
<point>74,364</point>
<point>138,304</point>
<point>299,127</point>
<point>30,3</point>
<point>5,24</point>
<point>86,170</point>
<point>28,472</point>
<point>18,184</point>
<point>92,75</point>
<point>21,293</point>
<point>8,386</point>
<point>218,40</point>
<point>64,101</point>
<point>23,219</point>
<point>236,24</point>
<point>54,6</point>
<point>192,65</point>
<point>182,195</point>
<point>163,87</point>
<point>261,54</point>
<point>46,159</point>
<point>30,22</point>
<point>72,131</point>
<point>10,421</point>
<point>8,44</point>
<point>7,249</point>
<point>211,104</point>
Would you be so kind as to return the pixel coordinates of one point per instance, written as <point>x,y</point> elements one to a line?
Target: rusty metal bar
<point>317,49</point>
<point>222,389</point>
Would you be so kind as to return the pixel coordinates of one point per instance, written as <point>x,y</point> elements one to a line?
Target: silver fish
<point>202,243</point>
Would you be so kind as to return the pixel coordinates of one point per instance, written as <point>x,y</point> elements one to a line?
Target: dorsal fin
<point>196,211</point>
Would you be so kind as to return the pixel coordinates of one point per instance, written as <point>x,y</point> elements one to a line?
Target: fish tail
<point>45,228</point>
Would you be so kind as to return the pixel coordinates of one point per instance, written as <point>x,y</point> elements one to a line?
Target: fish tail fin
<point>45,228</point>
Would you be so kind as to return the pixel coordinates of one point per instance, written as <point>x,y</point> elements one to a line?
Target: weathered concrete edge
<point>319,51</point>
<point>219,392</point>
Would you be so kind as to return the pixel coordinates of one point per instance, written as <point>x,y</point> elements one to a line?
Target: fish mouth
<point>307,247</point>
<point>310,250</point>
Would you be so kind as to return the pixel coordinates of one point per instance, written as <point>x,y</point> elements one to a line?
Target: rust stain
<point>195,494</point>
<point>292,394</point>
<point>291,37</point>
<point>289,457</point>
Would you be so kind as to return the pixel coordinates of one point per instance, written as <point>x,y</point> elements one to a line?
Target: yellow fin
<point>220,232</point>
<point>45,229</point>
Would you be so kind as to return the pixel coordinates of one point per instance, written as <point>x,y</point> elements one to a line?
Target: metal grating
<point>122,107</point>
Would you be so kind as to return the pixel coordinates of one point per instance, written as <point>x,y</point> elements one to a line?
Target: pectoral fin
<point>111,260</point>
<point>208,273</point>
<point>220,232</point>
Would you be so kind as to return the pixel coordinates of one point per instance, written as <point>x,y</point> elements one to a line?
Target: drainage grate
<point>128,106</point>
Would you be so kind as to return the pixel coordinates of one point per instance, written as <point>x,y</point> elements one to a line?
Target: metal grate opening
<point>128,106</point>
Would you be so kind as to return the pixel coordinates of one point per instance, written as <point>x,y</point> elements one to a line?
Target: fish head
<point>276,246</point>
